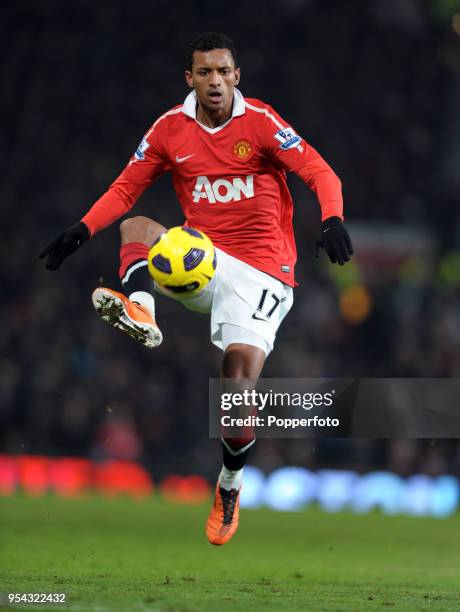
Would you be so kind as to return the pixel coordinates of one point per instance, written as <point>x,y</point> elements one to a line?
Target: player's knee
<point>135,225</point>
<point>140,229</point>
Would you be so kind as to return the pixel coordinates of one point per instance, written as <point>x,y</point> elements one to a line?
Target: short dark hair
<point>209,41</point>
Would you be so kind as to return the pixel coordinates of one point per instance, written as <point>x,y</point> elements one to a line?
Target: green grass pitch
<point>123,554</point>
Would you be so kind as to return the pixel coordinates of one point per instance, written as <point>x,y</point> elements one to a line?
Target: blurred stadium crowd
<point>371,85</point>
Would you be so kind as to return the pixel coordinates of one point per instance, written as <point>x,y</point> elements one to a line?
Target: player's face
<point>214,77</point>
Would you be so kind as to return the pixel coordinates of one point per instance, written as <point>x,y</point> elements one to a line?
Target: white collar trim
<point>189,109</point>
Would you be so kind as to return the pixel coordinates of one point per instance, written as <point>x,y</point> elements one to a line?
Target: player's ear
<point>189,78</point>
<point>237,75</point>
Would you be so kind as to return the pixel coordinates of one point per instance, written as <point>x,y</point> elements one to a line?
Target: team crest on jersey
<point>139,154</point>
<point>242,149</point>
<point>288,139</point>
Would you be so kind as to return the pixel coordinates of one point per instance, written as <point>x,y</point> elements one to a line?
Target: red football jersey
<point>230,181</point>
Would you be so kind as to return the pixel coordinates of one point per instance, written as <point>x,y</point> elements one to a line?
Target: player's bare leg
<point>240,362</point>
<point>133,311</point>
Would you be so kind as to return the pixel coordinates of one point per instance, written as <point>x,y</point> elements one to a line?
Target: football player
<point>228,156</point>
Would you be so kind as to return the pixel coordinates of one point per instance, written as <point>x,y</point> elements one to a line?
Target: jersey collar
<point>239,108</point>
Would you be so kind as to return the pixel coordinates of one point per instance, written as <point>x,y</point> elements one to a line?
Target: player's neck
<point>213,119</point>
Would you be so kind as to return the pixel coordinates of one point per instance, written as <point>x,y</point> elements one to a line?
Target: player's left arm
<point>287,149</point>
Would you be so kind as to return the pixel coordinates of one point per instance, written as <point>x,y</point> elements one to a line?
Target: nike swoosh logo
<point>179,160</point>
<point>254,316</point>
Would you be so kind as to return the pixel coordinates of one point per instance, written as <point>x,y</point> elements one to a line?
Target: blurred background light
<point>290,488</point>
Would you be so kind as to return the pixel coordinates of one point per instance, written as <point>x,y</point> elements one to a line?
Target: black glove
<point>64,244</point>
<point>335,239</point>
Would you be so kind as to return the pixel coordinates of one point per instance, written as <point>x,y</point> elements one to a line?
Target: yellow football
<point>182,260</point>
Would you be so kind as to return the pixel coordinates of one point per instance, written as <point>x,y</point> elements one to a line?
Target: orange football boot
<point>129,317</point>
<point>224,516</point>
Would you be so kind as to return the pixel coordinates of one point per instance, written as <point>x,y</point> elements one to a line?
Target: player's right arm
<point>148,162</point>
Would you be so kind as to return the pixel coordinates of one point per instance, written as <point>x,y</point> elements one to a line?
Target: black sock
<point>137,278</point>
<point>235,458</point>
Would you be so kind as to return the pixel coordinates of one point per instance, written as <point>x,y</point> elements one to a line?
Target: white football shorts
<point>246,305</point>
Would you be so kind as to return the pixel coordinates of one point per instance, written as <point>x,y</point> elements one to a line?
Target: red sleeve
<point>148,163</point>
<point>290,151</point>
